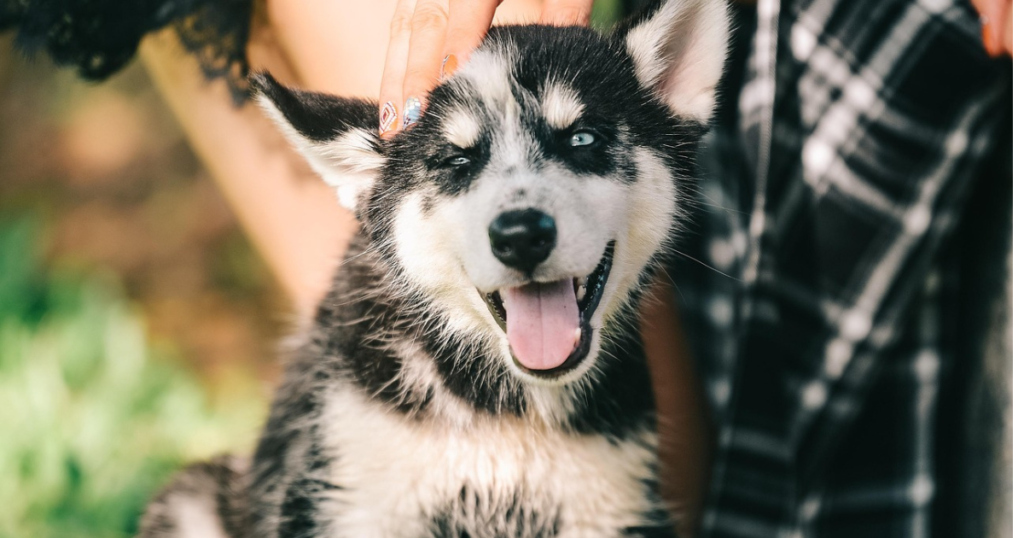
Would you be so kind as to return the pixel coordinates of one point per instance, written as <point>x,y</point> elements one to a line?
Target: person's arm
<point>292,217</point>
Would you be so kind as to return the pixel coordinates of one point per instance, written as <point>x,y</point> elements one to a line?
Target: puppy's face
<point>541,181</point>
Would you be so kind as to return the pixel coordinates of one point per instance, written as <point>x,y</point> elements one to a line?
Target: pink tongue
<point>542,323</point>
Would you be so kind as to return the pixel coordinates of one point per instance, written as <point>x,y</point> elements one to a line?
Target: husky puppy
<point>476,369</point>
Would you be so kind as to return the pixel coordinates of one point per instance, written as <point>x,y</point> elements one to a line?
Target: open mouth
<point>548,324</point>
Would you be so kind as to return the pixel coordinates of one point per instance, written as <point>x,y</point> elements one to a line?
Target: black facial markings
<point>317,116</point>
<point>599,72</point>
<point>423,153</point>
<point>451,178</point>
<point>555,144</point>
<point>595,159</point>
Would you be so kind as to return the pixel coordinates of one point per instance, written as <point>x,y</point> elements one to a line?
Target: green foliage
<point>94,417</point>
<point>605,13</point>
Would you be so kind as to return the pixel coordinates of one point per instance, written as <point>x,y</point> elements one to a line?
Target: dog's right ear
<point>337,136</point>
<point>679,49</point>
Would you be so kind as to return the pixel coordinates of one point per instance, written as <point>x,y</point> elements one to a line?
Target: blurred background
<point>138,328</point>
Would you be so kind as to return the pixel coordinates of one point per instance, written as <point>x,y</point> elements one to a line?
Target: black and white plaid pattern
<point>830,316</point>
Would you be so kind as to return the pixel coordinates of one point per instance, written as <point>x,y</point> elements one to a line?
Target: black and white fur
<point>402,412</point>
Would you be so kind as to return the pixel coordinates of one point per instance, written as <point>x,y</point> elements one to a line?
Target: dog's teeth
<point>581,292</point>
<point>578,335</point>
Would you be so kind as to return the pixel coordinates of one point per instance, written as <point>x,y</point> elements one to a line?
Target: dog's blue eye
<point>457,161</point>
<point>581,138</point>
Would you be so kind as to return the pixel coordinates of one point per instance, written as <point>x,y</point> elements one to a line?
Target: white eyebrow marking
<point>487,73</point>
<point>561,106</point>
<point>461,128</point>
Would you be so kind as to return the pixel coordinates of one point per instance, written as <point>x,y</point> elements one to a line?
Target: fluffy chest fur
<point>398,477</point>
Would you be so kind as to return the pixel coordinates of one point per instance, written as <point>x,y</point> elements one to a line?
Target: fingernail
<point>412,112</point>
<point>388,117</point>
<point>448,66</point>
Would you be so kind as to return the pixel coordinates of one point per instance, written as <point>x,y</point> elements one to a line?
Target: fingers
<point>391,101</point>
<point>425,41</point>
<point>566,12</point>
<point>430,38</point>
<point>426,48</point>
<point>467,23</point>
<point>996,25</point>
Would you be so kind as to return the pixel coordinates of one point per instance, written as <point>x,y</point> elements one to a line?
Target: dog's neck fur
<point>428,375</point>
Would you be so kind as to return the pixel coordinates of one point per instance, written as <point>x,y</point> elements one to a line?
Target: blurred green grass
<point>94,416</point>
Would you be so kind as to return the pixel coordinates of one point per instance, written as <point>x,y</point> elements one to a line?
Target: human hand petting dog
<point>996,25</point>
<point>430,38</point>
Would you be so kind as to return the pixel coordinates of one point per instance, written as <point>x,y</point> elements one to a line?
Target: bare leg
<point>685,433</point>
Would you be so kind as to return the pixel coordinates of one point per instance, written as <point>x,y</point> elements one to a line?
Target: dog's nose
<point>522,239</point>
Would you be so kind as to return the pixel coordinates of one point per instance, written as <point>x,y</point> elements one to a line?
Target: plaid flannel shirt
<point>827,307</point>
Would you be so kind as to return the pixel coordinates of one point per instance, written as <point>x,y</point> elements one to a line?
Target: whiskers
<point>703,264</point>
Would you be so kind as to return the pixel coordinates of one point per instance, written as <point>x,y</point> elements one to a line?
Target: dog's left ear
<point>679,49</point>
<point>338,137</point>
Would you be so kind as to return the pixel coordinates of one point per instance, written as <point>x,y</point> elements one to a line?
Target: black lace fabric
<point>98,37</point>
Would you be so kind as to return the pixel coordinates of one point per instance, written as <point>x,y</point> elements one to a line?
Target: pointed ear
<point>337,136</point>
<point>679,49</point>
